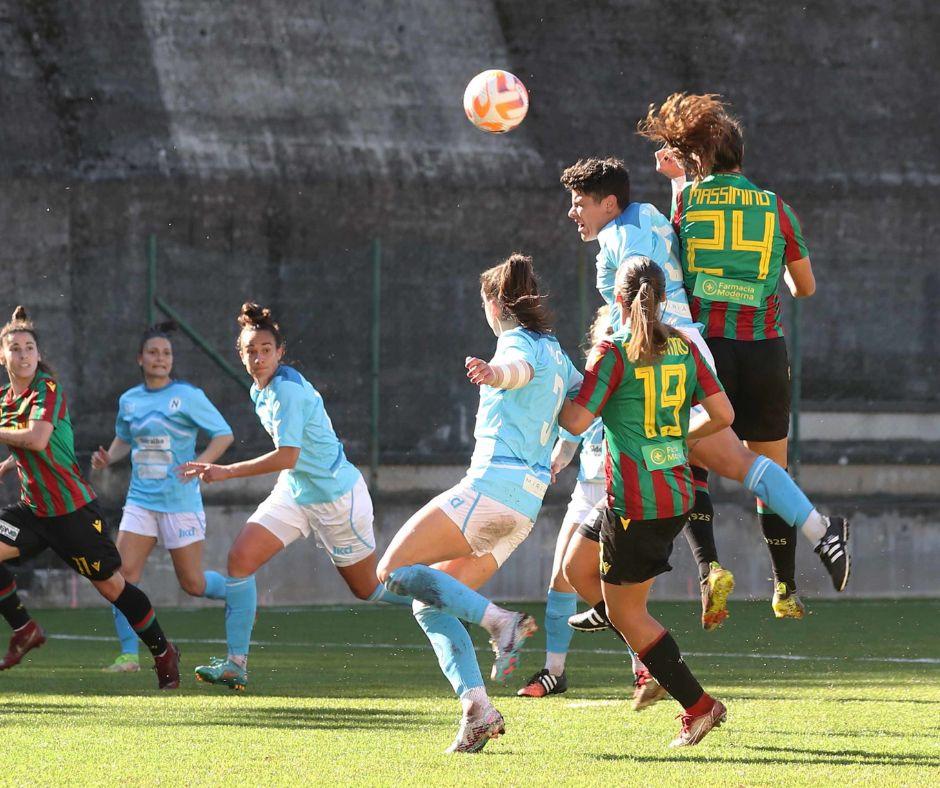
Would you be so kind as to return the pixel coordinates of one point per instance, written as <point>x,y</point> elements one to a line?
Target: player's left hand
<point>479,371</point>
<point>205,471</point>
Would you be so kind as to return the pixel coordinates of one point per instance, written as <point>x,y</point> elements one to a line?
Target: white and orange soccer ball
<point>495,101</point>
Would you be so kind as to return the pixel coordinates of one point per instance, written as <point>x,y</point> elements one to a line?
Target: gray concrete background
<point>267,144</point>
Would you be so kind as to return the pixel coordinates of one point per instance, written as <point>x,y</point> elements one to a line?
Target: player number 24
<point>670,376</point>
<point>718,242</point>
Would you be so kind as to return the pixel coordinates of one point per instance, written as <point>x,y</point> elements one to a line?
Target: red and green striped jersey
<point>735,241</point>
<point>50,481</point>
<point>645,410</point>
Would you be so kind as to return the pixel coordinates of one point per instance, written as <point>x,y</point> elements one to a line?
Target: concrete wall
<point>267,143</point>
<point>896,547</point>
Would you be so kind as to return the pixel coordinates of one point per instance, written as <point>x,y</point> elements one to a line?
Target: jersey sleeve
<point>515,346</point>
<point>122,424</point>
<point>706,382</point>
<point>602,376</point>
<point>48,399</point>
<point>205,415</point>
<point>792,230</point>
<point>289,415</point>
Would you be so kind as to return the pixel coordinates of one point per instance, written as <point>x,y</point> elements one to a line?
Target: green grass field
<point>355,696</point>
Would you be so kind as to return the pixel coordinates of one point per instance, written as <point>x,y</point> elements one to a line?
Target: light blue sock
<point>241,602</point>
<point>773,485</point>
<point>558,634</point>
<point>125,632</point>
<point>453,647</point>
<point>439,590</point>
<point>382,594</point>
<point>215,585</point>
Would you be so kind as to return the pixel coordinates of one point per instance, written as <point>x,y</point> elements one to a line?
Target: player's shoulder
<point>133,392</point>
<point>606,348</point>
<point>45,383</point>
<point>287,376</point>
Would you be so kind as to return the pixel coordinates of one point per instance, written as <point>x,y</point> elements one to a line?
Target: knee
<point>384,569</point>
<point>131,575</point>
<point>194,585</point>
<point>111,588</point>
<point>240,562</point>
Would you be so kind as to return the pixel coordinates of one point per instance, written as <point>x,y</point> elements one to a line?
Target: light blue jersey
<point>643,230</point>
<point>161,426</point>
<point>292,413</point>
<point>517,428</point>
<point>592,470</point>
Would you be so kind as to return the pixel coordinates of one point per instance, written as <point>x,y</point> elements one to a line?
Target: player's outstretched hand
<point>479,371</point>
<point>100,459</point>
<point>205,471</point>
<point>667,164</point>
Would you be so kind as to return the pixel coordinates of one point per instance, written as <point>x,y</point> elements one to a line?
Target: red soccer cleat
<point>167,666</point>
<point>694,728</point>
<point>23,641</point>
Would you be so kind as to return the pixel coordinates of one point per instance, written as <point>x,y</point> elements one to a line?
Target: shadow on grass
<point>797,756</point>
<point>295,718</point>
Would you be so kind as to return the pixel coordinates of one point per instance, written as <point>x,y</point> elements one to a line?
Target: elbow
<point>36,444</point>
<point>806,291</point>
<point>726,417</point>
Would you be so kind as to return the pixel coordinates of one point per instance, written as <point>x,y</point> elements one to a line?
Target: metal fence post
<point>151,278</point>
<point>376,366</point>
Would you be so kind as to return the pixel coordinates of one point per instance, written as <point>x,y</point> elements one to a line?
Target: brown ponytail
<point>701,130</point>
<point>258,318</point>
<point>513,285</point>
<point>641,286</point>
<point>20,321</point>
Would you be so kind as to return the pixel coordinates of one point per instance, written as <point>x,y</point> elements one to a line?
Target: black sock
<point>11,608</point>
<point>699,531</point>
<point>781,543</point>
<point>135,605</point>
<point>666,665</point>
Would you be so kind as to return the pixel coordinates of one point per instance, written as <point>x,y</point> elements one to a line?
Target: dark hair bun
<point>19,314</point>
<point>253,315</point>
<point>166,327</point>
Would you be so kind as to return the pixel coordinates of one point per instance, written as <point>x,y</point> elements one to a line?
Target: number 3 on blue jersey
<point>558,389</point>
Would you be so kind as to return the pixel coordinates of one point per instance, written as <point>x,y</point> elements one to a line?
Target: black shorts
<point>633,551</point>
<point>756,377</point>
<point>80,538</point>
<point>591,528</point>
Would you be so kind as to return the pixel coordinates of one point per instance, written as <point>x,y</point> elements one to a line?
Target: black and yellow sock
<point>135,605</point>
<point>699,530</point>
<point>780,537</point>
<point>11,608</point>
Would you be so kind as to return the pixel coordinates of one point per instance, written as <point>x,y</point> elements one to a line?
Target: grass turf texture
<point>320,710</point>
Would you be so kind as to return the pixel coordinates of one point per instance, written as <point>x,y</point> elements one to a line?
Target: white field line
<point>617,652</point>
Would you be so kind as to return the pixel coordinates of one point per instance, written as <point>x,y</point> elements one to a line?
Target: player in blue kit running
<point>318,490</point>
<point>158,422</point>
<point>457,541</point>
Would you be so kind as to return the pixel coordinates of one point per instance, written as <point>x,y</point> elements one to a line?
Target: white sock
<point>494,619</point>
<point>637,664</point>
<point>474,701</point>
<point>239,659</point>
<point>815,527</point>
<point>555,663</point>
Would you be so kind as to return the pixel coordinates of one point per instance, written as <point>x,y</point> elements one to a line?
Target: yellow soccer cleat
<point>787,603</point>
<point>716,588</point>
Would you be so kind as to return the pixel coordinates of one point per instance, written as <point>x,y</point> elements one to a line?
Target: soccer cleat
<point>125,663</point>
<point>786,602</point>
<point>544,683</point>
<point>223,671</point>
<point>23,640</point>
<point>694,728</point>
<point>474,733</point>
<point>833,551</point>
<point>647,691</point>
<point>167,666</point>
<point>715,591</point>
<point>507,645</point>
<point>591,620</point>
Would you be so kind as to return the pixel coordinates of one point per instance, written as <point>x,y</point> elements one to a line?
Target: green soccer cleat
<point>124,663</point>
<point>223,671</point>
<point>787,603</point>
<point>715,591</point>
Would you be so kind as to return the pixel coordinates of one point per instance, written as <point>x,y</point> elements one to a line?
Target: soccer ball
<point>495,101</point>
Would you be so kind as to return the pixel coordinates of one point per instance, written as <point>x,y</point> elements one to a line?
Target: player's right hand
<point>100,459</point>
<point>667,164</point>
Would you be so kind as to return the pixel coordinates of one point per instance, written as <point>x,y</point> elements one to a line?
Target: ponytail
<point>641,286</point>
<point>514,286</point>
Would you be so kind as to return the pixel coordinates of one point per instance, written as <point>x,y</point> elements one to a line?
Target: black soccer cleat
<point>591,620</point>
<point>833,551</point>
<point>544,683</point>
